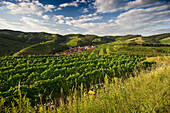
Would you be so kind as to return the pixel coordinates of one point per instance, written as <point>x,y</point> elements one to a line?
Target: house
<point>76,50</point>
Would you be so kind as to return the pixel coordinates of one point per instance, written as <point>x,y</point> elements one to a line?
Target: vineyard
<point>128,49</point>
<point>46,74</point>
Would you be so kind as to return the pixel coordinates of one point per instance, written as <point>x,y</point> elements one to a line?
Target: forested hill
<point>45,43</point>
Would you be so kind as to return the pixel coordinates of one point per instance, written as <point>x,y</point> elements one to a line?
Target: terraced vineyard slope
<point>131,49</point>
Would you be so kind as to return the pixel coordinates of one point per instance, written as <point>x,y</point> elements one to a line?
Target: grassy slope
<point>165,40</point>
<point>137,40</point>
<point>73,41</point>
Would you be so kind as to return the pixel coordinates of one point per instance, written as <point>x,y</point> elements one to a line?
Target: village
<point>73,50</point>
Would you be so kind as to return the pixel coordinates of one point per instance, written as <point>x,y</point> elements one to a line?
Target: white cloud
<point>46,17</point>
<point>33,22</point>
<point>160,30</point>
<point>83,20</point>
<point>74,4</point>
<point>111,20</point>
<point>9,25</point>
<point>49,8</point>
<point>85,10</point>
<point>141,18</point>
<point>105,6</point>
<point>58,17</point>
<point>23,0</point>
<point>109,5</point>
<point>59,8</point>
<point>82,1</point>
<point>89,15</point>
<point>96,28</point>
<point>29,25</point>
<point>74,22</point>
<point>34,7</point>
<point>137,3</point>
<point>136,21</point>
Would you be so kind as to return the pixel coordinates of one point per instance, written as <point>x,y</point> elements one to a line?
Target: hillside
<point>30,43</point>
<point>48,47</point>
<point>131,49</point>
<point>9,47</point>
<point>156,38</point>
<point>13,41</point>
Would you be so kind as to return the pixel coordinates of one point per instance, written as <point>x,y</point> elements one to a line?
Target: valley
<point>43,70</point>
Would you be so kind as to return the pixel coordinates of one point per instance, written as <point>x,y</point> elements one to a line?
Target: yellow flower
<point>41,109</point>
<point>91,92</point>
<point>115,78</point>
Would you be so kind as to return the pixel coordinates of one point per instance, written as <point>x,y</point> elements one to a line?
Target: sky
<point>99,17</point>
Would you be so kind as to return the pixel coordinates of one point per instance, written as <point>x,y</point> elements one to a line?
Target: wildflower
<point>87,95</point>
<point>115,78</point>
<point>41,109</point>
<point>91,92</point>
<point>35,107</point>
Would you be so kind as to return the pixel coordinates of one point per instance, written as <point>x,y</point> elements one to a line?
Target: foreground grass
<point>147,92</point>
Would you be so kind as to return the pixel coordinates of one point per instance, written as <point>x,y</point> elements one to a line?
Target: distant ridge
<point>25,43</point>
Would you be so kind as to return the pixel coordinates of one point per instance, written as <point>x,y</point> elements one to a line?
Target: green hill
<point>8,46</point>
<point>156,38</point>
<point>48,47</point>
<point>35,43</point>
<point>14,41</point>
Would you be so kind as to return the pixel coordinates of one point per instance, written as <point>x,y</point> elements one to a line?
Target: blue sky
<point>100,17</point>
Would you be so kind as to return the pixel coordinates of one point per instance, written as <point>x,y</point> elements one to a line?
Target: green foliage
<point>51,73</point>
<point>148,91</point>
